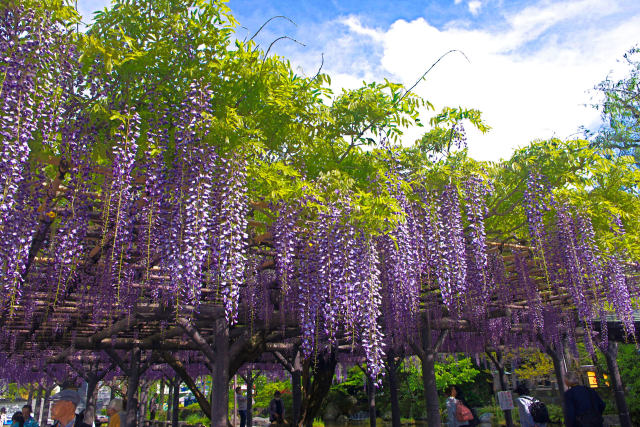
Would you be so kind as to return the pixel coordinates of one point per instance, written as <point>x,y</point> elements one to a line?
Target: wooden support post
<point>249,382</point>
<point>45,406</point>
<point>220,376</point>
<point>161,397</point>
<point>235,400</point>
<point>249,378</point>
<point>498,361</point>
<point>30,396</point>
<point>37,409</point>
<point>169,401</point>
<point>132,388</point>
<point>611,355</point>
<point>175,404</point>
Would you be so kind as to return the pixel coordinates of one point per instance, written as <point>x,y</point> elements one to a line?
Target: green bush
<point>555,413</point>
<point>194,419</point>
<point>190,411</point>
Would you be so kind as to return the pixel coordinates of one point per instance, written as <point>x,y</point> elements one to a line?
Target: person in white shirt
<point>524,403</point>
<point>242,406</point>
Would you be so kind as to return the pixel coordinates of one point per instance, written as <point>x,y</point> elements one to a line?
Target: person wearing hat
<point>63,408</point>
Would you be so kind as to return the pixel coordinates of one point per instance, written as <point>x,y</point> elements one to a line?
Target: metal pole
<point>235,398</point>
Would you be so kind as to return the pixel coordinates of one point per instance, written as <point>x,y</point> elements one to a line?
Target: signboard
<point>593,381</point>
<point>505,400</point>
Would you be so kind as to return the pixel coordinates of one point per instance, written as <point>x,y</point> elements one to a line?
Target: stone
<point>331,412</point>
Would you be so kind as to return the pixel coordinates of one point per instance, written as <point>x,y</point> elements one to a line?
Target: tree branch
<point>181,370</point>
<point>440,341</point>
<point>191,330</point>
<point>118,360</point>
<point>283,361</point>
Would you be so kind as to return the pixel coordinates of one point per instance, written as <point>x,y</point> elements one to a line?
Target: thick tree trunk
<point>314,392</point>
<point>175,402</point>
<point>611,355</point>
<point>144,401</point>
<point>296,393</point>
<point>45,407</point>
<point>37,409</point>
<point>220,376</point>
<point>371,394</point>
<point>392,371</point>
<point>92,383</point>
<point>296,386</point>
<point>428,361</point>
<point>90,399</point>
<point>431,390</point>
<point>132,389</point>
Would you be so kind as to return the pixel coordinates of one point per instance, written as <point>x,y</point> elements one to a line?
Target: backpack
<point>539,412</point>
<point>462,412</point>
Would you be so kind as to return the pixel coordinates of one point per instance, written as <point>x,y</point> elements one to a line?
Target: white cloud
<point>531,79</point>
<point>474,6</point>
<point>457,1</point>
<point>353,23</point>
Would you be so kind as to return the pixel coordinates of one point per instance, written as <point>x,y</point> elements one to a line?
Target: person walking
<point>458,412</point>
<point>584,406</point>
<point>29,421</point>
<point>3,415</point>
<point>242,406</point>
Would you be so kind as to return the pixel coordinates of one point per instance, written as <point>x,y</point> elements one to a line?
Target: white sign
<point>505,400</point>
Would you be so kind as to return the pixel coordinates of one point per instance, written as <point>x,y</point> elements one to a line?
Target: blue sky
<point>532,64</point>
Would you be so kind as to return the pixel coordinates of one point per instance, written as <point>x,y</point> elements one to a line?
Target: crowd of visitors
<point>583,408</point>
